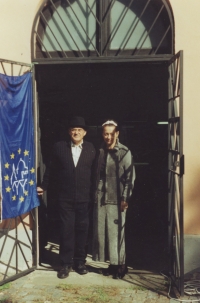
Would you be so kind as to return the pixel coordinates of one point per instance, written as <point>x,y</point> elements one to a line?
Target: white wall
<point>187,38</point>
<point>16,20</point>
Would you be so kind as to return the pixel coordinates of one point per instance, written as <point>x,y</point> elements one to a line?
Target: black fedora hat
<point>77,122</point>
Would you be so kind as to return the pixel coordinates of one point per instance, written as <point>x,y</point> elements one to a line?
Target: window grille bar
<point>173,151</point>
<point>177,220</point>
<point>177,194</point>
<point>14,62</point>
<point>177,256</point>
<point>11,266</point>
<point>20,71</point>
<point>25,228</point>
<point>19,241</point>
<point>173,98</point>
<point>176,84</point>
<point>147,34</point>
<point>142,13</point>
<point>174,172</point>
<point>16,241</point>
<point>111,4</point>
<point>112,35</point>
<point>23,255</point>
<point>83,28</point>
<point>86,1</point>
<point>6,236</point>
<point>99,31</point>
<point>9,261</point>
<point>66,28</point>
<point>53,34</point>
<point>41,43</point>
<point>162,39</point>
<point>3,68</point>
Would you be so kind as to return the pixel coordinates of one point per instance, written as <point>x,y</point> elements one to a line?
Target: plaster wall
<point>16,21</point>
<point>187,38</point>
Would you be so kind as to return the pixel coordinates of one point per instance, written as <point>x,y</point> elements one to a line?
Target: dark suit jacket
<point>74,183</point>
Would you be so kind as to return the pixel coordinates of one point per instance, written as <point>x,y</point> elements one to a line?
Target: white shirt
<point>76,152</point>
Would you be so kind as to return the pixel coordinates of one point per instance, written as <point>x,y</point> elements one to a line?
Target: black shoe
<point>81,269</point>
<point>116,276</point>
<point>108,271</point>
<point>64,272</point>
<point>122,271</point>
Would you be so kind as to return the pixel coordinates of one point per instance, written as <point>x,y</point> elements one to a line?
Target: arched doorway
<point>110,58</point>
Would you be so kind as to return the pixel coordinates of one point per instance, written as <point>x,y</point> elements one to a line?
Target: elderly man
<point>73,161</point>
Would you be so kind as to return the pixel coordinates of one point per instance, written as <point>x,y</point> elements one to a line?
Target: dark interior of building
<point>135,94</point>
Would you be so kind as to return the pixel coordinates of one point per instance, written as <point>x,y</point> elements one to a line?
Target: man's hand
<point>124,205</point>
<point>40,191</point>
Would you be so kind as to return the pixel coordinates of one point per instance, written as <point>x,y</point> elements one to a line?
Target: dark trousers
<point>74,222</point>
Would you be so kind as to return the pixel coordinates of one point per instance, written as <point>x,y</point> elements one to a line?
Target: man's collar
<point>79,145</point>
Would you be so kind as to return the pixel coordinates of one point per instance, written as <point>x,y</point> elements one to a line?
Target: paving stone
<point>28,285</point>
<point>31,297</point>
<point>125,295</point>
<point>152,295</point>
<point>140,295</point>
<point>130,291</point>
<point>116,299</point>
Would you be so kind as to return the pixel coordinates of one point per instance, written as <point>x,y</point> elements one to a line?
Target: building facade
<point>18,21</point>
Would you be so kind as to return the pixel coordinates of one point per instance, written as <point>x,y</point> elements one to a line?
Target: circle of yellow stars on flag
<point>7,178</point>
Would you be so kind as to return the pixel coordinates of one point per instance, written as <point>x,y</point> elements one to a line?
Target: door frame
<point>142,59</point>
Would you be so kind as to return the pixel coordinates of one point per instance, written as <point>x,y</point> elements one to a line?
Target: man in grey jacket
<point>115,178</point>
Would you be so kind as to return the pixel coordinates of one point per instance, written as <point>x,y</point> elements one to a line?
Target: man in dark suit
<point>73,161</point>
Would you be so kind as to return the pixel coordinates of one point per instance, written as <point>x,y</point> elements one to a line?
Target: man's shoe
<point>108,271</point>
<point>81,269</point>
<point>64,272</point>
<point>116,276</point>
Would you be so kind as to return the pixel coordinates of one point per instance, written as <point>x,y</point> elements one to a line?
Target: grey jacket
<point>119,174</point>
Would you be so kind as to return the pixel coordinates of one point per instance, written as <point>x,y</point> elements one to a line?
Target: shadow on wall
<point>192,226</point>
<point>17,222</point>
<point>192,205</point>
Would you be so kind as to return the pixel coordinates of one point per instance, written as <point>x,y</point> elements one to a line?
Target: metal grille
<point>66,29</point>
<point>18,254</point>
<point>176,170</point>
<point>13,68</point>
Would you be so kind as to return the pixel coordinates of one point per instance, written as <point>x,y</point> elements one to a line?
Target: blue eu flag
<point>17,155</point>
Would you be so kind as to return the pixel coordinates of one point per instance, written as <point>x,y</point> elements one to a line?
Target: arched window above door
<point>102,28</point>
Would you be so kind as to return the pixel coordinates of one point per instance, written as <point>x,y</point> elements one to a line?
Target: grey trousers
<point>109,232</point>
